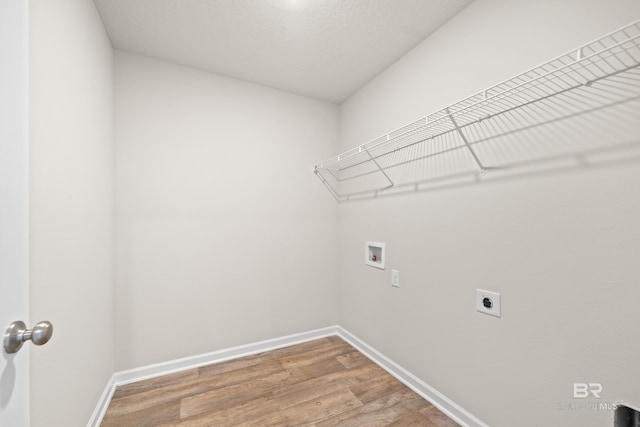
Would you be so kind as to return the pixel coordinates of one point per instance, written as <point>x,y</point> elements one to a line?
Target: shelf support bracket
<point>379,168</point>
<point>466,141</point>
<point>331,190</point>
<point>335,195</point>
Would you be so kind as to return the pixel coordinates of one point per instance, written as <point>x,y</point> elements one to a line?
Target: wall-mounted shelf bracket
<point>375,162</point>
<point>466,141</point>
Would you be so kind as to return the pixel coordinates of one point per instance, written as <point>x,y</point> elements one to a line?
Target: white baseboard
<point>164,368</point>
<point>172,366</point>
<point>103,404</point>
<point>437,399</point>
<point>443,403</point>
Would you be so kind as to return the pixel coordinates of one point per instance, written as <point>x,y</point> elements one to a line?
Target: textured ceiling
<point>325,49</point>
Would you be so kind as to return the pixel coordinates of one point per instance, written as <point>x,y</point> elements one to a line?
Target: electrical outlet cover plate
<point>494,300</point>
<point>395,278</point>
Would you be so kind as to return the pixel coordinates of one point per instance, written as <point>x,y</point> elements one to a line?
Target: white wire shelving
<point>490,128</point>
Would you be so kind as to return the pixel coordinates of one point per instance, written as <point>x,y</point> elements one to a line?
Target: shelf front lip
<point>442,115</point>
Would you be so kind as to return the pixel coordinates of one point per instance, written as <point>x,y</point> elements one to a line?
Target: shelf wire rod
<point>412,160</point>
<point>466,142</point>
<point>618,85</point>
<point>326,184</point>
<point>588,101</point>
<point>586,74</point>
<point>597,65</point>
<point>553,83</point>
<point>517,124</point>
<point>564,70</point>
<point>434,123</point>
<point>596,95</point>
<point>535,118</point>
<point>442,130</point>
<point>375,162</point>
<point>526,90</point>
<point>554,109</point>
<point>630,77</point>
<point>622,89</point>
<point>559,92</point>
<point>332,174</point>
<point>607,58</point>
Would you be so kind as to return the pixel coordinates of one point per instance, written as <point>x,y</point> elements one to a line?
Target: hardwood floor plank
<point>366,415</point>
<point>412,402</point>
<point>353,359</point>
<point>150,416</point>
<point>318,383</point>
<point>439,419</point>
<point>322,368</point>
<point>164,380</point>
<point>321,407</point>
<point>154,397</point>
<point>379,418</point>
<point>273,419</point>
<point>249,373</point>
<point>386,404</point>
<point>335,339</point>
<point>376,388</point>
<point>413,419</point>
<point>314,387</point>
<point>247,412</point>
<point>300,348</point>
<point>233,365</point>
<point>317,355</point>
<point>234,395</point>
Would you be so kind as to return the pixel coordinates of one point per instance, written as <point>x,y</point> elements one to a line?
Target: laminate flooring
<point>325,382</point>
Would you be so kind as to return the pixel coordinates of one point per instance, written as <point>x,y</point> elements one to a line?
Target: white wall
<point>562,248</point>
<point>14,196</point>
<point>224,235</point>
<point>71,204</point>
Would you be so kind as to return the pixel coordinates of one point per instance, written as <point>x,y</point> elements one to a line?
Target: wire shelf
<point>539,112</point>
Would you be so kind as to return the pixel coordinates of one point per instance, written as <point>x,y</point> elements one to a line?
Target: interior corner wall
<point>562,248</point>
<point>224,236</point>
<point>71,209</point>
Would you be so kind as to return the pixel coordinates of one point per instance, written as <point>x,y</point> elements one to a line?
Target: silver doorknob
<point>17,333</point>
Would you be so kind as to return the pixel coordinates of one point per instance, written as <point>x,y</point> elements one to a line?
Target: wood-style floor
<point>325,382</point>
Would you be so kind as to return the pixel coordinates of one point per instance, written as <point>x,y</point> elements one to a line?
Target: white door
<point>14,143</point>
